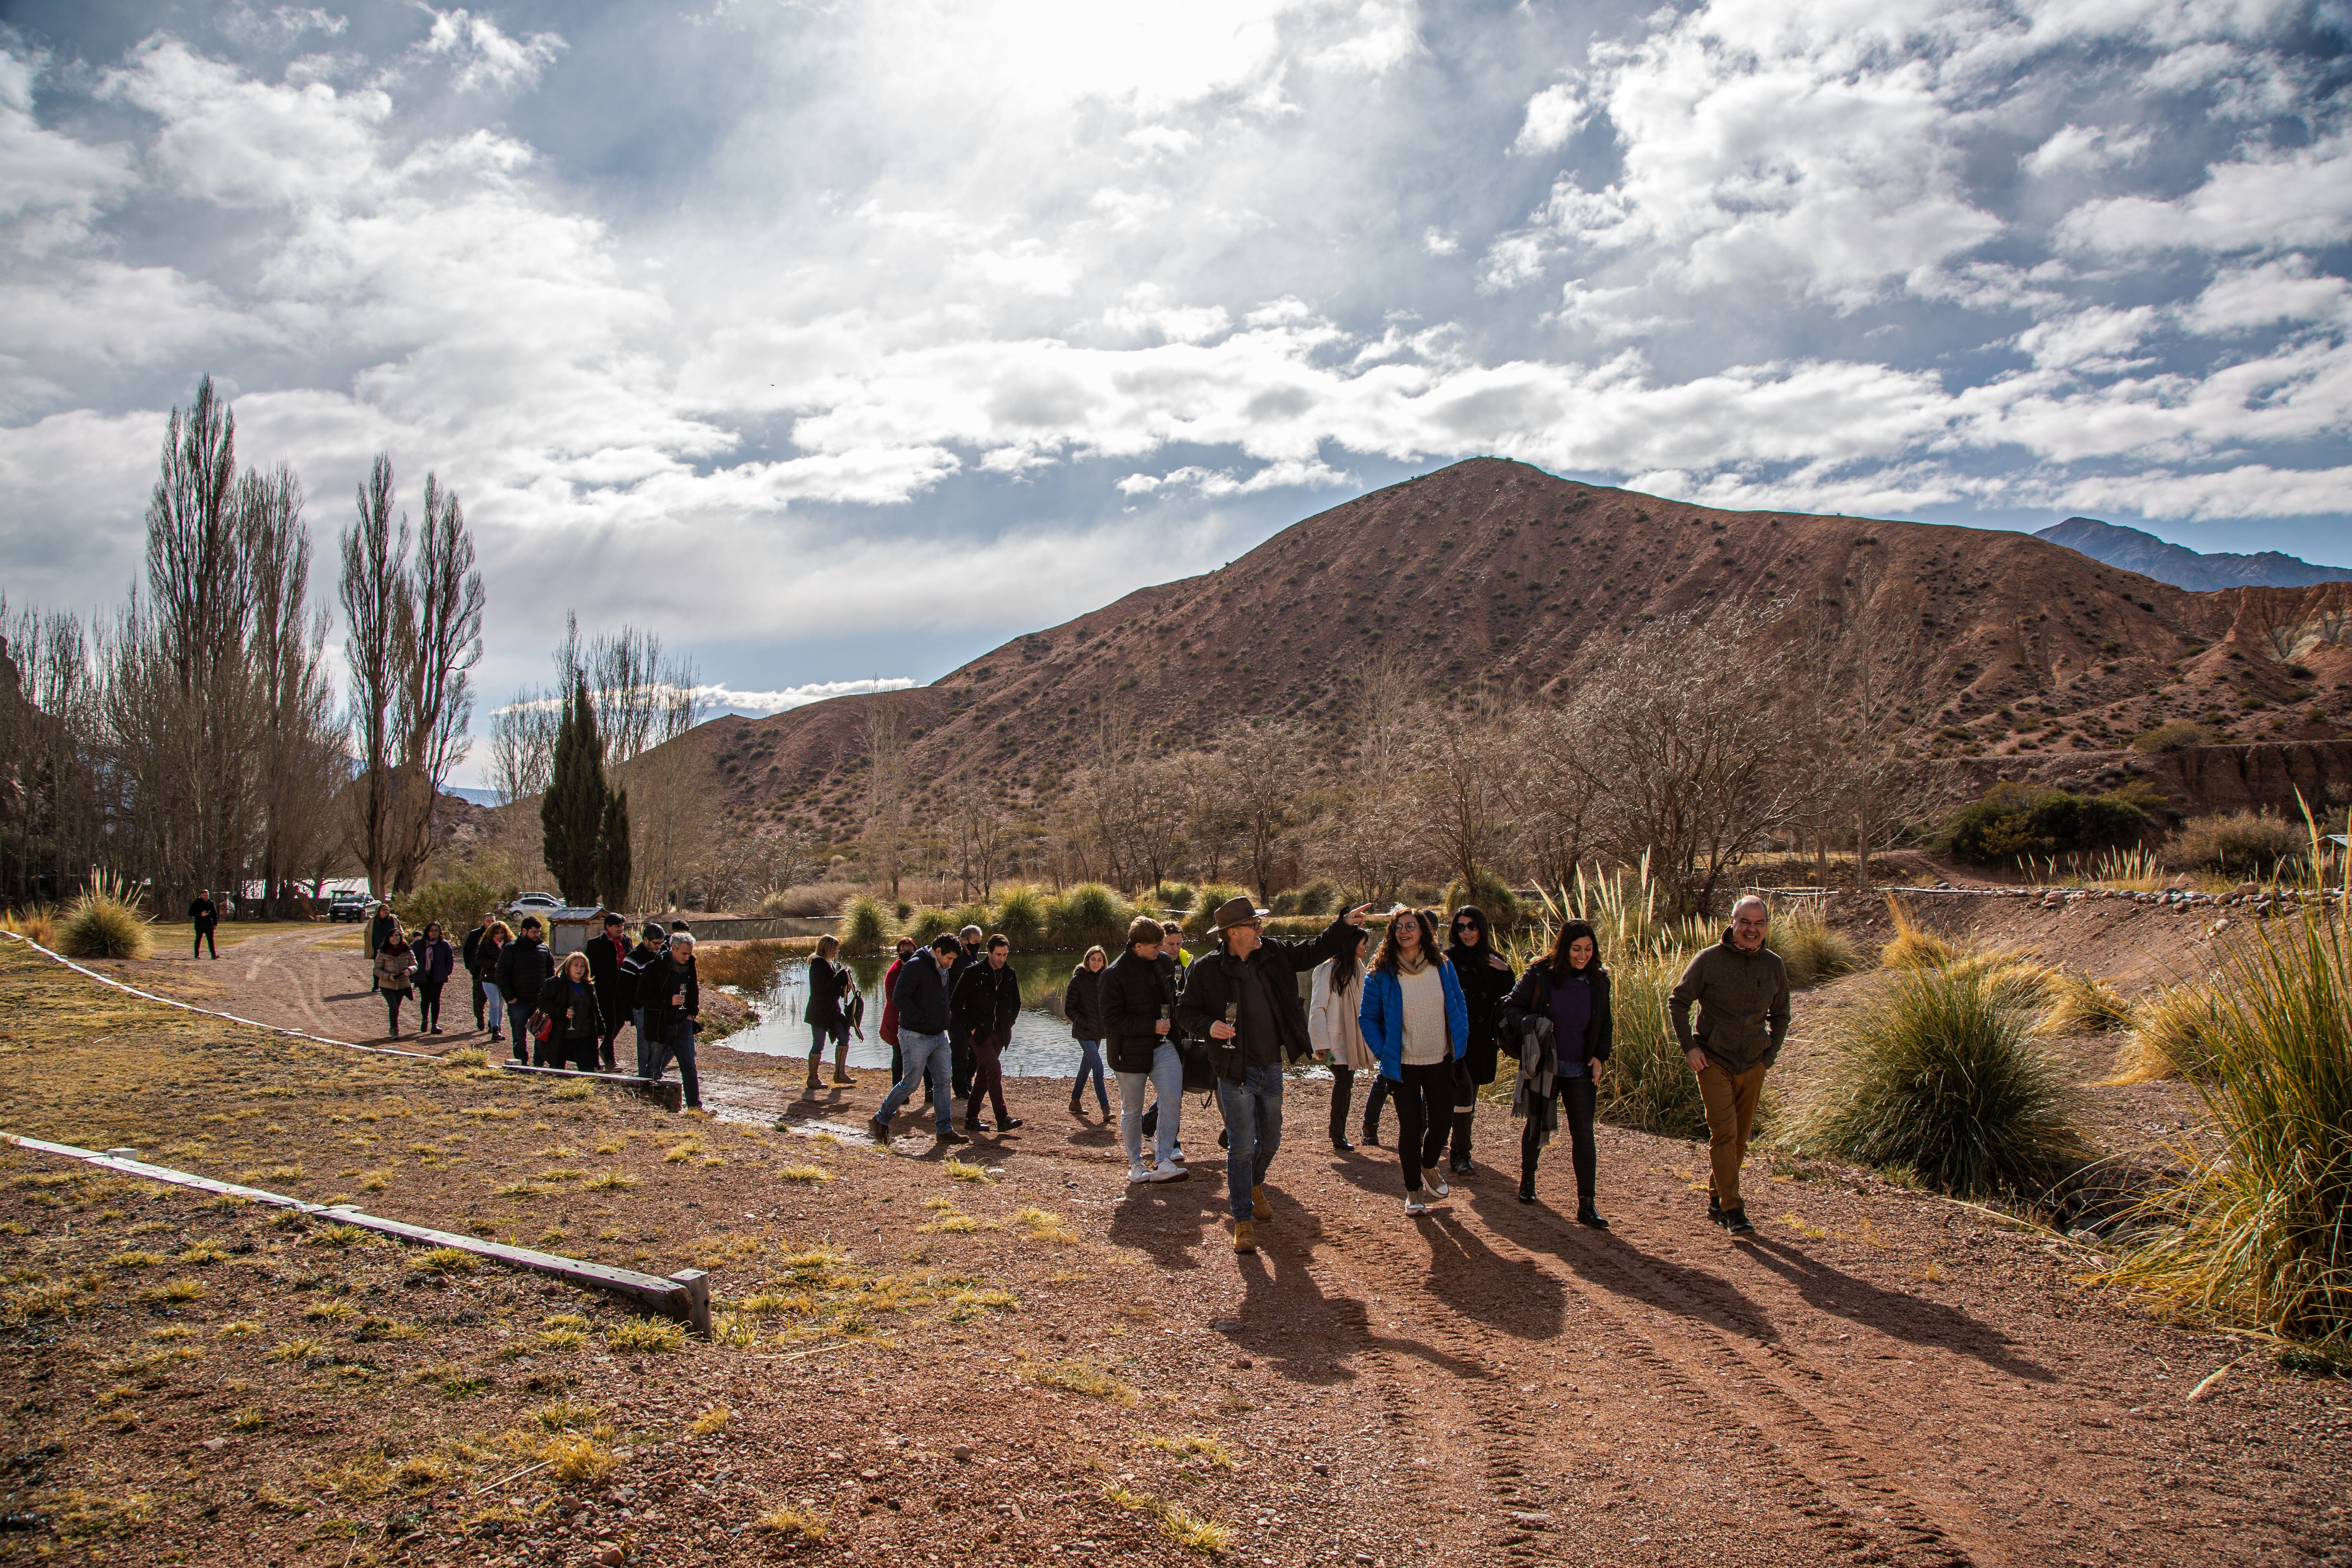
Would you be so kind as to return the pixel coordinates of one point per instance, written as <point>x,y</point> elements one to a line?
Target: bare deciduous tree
<point>380,633</point>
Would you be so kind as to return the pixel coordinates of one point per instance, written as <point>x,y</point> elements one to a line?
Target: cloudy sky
<point>841,341</point>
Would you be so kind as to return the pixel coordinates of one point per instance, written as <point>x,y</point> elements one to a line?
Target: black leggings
<point>1374,1098</point>
<point>1343,1090</point>
<point>1576,1100</point>
<point>428,1004</point>
<point>392,1001</point>
<point>1425,1103</point>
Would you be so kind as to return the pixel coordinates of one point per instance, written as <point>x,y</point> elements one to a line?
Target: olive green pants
<point>1730,1099</point>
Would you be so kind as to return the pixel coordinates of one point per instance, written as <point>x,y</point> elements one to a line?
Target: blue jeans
<point>675,1040</point>
<point>924,1055</point>
<point>1090,1066</point>
<point>1167,1078</point>
<point>1252,1111</point>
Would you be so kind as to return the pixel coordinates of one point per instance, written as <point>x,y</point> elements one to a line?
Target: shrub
<point>1086,914</point>
<point>102,925</point>
<point>37,923</point>
<point>2012,820</point>
<point>810,900</point>
<point>2241,844</point>
<point>1021,915</point>
<point>457,902</point>
<point>964,915</point>
<point>1491,894</point>
<point>1911,946</point>
<point>2172,1036</point>
<point>1205,910</point>
<point>2256,1232</point>
<point>927,922</point>
<point>2081,1006</point>
<point>1646,1083</point>
<point>866,926</point>
<point>1811,950</point>
<point>2178,735</point>
<point>1940,1074</point>
<point>1174,898</point>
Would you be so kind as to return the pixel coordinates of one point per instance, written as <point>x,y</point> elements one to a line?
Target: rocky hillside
<point>2204,572</point>
<point>2009,644</point>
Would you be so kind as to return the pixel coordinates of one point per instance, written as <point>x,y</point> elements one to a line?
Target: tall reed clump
<point>37,921</point>
<point>1812,952</point>
<point>102,925</point>
<point>1020,915</point>
<point>1646,1083</point>
<point>2259,1233</point>
<point>1086,914</point>
<point>1205,906</point>
<point>1912,945</point>
<point>1940,1074</point>
<point>865,925</point>
<point>2172,1036</point>
<point>2081,1006</point>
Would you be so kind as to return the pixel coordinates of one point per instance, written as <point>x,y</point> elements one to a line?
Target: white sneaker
<point>1435,1185</point>
<point>1170,1172</point>
<point>1137,1174</point>
<point>1413,1204</point>
<point>1179,1155</point>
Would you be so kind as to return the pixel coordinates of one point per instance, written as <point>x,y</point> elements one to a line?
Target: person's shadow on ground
<point>1894,1314</point>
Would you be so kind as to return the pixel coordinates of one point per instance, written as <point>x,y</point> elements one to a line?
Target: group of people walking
<point>1434,1015</point>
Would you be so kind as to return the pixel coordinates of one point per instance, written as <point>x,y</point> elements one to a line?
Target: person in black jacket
<point>204,915</point>
<point>672,998</point>
<point>524,966</point>
<point>925,1016</point>
<point>1243,998</point>
<point>1571,989</point>
<point>970,954</point>
<point>987,1002</point>
<point>1486,977</point>
<point>434,963</point>
<point>614,991</point>
<point>567,1002</point>
<point>1139,1001</point>
<point>1082,1005</point>
<point>831,987</point>
<point>469,953</point>
<point>652,941</point>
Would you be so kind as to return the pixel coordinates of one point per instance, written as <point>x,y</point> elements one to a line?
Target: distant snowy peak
<point>2145,553</point>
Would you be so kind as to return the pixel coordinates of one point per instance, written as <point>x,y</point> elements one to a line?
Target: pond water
<point>1042,1045</point>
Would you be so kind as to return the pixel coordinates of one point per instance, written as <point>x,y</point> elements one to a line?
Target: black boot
<point>1460,1163</point>
<point>1526,1186</point>
<point>1586,1215</point>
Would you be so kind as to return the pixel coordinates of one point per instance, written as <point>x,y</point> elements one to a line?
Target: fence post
<point>698,1300</point>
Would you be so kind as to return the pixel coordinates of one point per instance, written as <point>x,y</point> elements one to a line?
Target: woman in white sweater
<point>1332,1030</point>
<point>1417,1025</point>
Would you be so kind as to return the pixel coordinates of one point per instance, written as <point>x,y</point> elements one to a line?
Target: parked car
<point>538,901</point>
<point>353,907</point>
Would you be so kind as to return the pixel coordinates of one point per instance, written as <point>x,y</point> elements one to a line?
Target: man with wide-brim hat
<point>1243,998</point>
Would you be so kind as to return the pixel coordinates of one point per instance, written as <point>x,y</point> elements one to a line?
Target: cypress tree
<point>572,813</point>
<point>612,851</point>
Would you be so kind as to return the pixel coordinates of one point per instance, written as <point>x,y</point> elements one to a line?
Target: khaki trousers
<point>1730,1099</point>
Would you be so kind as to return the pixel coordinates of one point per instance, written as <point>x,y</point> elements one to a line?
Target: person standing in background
<point>495,937</point>
<point>1332,996</point>
<point>970,954</point>
<point>435,962</point>
<point>987,1003</point>
<point>606,953</point>
<point>524,966</point>
<point>888,1028</point>
<point>830,987</point>
<point>1137,1003</point>
<point>1486,979</point>
<point>392,965</point>
<point>470,954</point>
<point>651,943</point>
<point>205,916</point>
<point>1082,1004</point>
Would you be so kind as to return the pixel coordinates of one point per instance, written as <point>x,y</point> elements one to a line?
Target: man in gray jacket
<point>1741,990</point>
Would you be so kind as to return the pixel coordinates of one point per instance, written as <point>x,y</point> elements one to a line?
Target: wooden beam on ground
<point>661,1091</point>
<point>685,1295</point>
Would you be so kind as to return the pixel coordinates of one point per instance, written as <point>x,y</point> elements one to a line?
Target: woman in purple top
<point>1571,989</point>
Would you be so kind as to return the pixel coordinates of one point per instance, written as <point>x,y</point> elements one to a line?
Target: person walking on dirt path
<point>1486,978</point>
<point>1242,996</point>
<point>205,916</point>
<point>524,966</point>
<point>470,954</point>
<point>888,1028</point>
<point>672,997</point>
<point>970,956</point>
<point>1741,990</point>
<point>495,937</point>
<point>925,1016</point>
<point>1417,1024</point>
<point>575,1023</point>
<point>393,964</point>
<point>1082,1005</point>
<point>1332,996</point>
<point>381,927</point>
<point>1172,961</point>
<point>651,941</point>
<point>831,987</point>
<point>987,1003</point>
<point>606,953</point>
<point>1138,1004</point>
<point>435,963</point>
<point>1569,987</point>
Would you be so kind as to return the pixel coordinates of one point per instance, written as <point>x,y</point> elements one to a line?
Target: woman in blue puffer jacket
<point>1417,1024</point>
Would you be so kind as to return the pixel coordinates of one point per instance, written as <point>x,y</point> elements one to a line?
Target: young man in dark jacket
<point>672,998</point>
<point>205,916</point>
<point>605,954</point>
<point>1242,996</point>
<point>469,953</point>
<point>652,941</point>
<point>970,953</point>
<point>986,1002</point>
<point>1741,991</point>
<point>524,966</point>
<point>1139,997</point>
<point>925,1016</point>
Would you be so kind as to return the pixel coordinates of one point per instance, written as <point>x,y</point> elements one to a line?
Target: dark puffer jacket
<point>987,1002</point>
<point>1082,1003</point>
<point>1531,998</point>
<point>1484,987</point>
<point>1136,993</point>
<point>922,995</point>
<point>1278,963</point>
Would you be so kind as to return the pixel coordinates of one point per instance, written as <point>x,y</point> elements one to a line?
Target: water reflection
<point>1041,1048</point>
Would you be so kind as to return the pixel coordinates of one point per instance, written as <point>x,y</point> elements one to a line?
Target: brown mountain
<point>1495,569</point>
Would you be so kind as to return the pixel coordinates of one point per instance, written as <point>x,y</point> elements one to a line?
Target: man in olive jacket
<point>1742,989</point>
<point>1243,998</point>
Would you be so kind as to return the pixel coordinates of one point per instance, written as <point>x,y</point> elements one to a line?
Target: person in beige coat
<point>1333,995</point>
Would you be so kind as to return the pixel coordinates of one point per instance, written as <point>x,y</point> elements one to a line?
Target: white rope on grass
<point>209,1013</point>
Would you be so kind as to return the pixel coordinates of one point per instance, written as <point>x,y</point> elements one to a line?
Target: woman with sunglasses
<point>1569,987</point>
<point>1486,978</point>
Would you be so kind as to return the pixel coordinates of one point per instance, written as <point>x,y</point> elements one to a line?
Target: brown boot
<point>1258,1206</point>
<point>840,1073</point>
<point>814,1084</point>
<point>1245,1237</point>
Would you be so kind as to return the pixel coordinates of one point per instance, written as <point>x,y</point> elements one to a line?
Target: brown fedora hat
<point>1235,912</point>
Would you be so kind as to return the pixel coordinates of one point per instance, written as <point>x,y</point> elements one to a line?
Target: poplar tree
<point>572,814</point>
<point>612,851</point>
